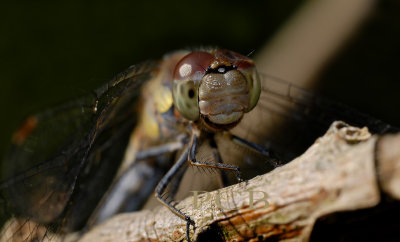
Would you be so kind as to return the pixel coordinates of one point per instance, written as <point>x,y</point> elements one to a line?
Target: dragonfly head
<point>215,89</point>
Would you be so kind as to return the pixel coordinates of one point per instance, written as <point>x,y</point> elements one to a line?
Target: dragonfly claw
<point>189,222</point>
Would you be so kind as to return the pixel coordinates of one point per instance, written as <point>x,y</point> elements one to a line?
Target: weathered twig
<point>338,173</point>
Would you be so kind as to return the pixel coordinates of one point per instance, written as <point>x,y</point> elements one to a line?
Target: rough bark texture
<point>343,171</point>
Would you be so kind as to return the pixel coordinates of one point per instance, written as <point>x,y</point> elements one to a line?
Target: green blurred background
<point>53,51</point>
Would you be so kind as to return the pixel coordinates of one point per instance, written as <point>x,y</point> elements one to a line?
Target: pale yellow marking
<point>130,152</point>
<point>163,98</point>
<point>149,123</point>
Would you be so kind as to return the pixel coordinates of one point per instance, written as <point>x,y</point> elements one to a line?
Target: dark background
<point>53,51</point>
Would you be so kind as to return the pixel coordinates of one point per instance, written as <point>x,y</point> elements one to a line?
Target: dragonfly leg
<point>221,166</point>
<point>255,147</point>
<point>223,176</point>
<point>162,186</point>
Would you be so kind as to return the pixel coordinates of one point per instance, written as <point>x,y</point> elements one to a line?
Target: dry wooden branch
<point>337,173</point>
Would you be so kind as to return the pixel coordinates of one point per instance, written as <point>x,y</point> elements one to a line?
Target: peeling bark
<point>346,169</point>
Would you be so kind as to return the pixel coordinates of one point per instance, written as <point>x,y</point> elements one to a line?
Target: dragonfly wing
<point>288,119</point>
<point>72,152</point>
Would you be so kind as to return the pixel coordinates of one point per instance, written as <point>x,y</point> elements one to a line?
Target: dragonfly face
<point>215,89</point>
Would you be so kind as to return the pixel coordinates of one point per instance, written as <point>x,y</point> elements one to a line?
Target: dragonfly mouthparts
<point>225,118</point>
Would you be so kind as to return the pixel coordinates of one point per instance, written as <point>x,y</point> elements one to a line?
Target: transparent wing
<point>68,154</point>
<point>288,119</point>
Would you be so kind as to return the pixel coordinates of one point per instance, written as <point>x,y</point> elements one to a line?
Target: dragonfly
<point>138,133</point>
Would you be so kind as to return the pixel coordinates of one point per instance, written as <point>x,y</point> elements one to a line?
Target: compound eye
<point>247,67</point>
<point>187,76</point>
<point>254,84</point>
<point>185,93</point>
<point>192,65</point>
